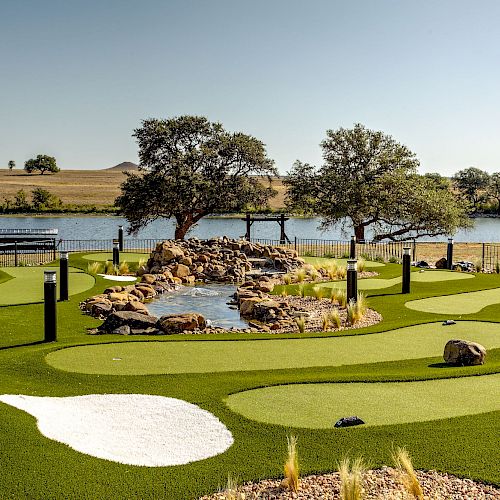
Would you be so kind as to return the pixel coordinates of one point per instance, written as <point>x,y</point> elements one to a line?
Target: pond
<point>207,300</point>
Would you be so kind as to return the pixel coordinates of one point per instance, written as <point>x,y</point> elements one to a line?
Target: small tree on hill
<point>190,168</point>
<point>41,163</point>
<point>41,199</point>
<point>370,180</point>
<point>494,189</point>
<point>11,164</point>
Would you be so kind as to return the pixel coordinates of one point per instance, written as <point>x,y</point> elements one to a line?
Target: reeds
<point>407,475</point>
<point>334,318</point>
<point>351,479</point>
<point>339,297</point>
<point>361,264</point>
<point>291,480</point>
<point>300,274</point>
<point>318,292</point>
<point>356,310</point>
<point>287,279</point>
<point>110,268</point>
<point>123,268</point>
<point>231,492</point>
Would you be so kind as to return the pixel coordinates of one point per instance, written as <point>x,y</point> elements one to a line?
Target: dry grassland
<point>84,187</point>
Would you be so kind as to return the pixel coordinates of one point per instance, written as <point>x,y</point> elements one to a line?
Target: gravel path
<point>378,484</point>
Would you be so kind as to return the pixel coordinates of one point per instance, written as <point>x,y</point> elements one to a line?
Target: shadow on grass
<point>27,344</point>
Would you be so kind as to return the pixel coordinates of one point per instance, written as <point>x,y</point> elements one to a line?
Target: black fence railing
<point>27,253</point>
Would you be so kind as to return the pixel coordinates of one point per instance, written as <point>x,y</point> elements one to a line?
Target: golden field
<point>84,187</point>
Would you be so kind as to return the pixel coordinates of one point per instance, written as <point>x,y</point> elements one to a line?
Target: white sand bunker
<point>134,429</point>
<point>111,277</point>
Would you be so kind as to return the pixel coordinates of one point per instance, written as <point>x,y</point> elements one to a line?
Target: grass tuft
<point>351,479</point>
<point>123,268</point>
<point>300,274</point>
<point>334,318</point>
<point>94,267</point>
<point>231,492</point>
<point>407,475</point>
<point>109,268</point>
<point>318,292</point>
<point>361,264</point>
<point>287,279</point>
<point>291,480</point>
<point>301,324</point>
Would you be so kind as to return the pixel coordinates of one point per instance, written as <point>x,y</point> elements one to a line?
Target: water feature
<point>208,300</point>
<point>106,227</point>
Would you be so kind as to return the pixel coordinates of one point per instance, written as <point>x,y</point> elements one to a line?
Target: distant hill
<point>126,165</point>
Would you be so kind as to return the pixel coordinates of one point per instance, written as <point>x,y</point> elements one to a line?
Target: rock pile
<point>216,260</point>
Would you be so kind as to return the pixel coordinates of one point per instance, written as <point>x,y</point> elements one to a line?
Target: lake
<point>106,227</point>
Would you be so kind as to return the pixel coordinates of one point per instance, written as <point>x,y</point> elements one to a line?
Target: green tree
<point>44,200</point>
<point>370,180</point>
<point>21,200</point>
<point>11,164</point>
<point>190,168</point>
<point>494,189</point>
<point>41,163</point>
<point>472,184</point>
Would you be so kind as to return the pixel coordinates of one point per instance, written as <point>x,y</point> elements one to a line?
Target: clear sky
<point>78,76</point>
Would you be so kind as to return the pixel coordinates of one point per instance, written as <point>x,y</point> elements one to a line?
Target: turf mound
<point>142,358</point>
<point>134,429</point>
<point>461,303</point>
<point>319,406</point>
<point>27,285</point>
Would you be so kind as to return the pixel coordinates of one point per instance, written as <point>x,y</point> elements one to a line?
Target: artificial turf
<point>317,406</point>
<point>324,261</point>
<point>462,303</point>
<point>26,285</point>
<point>36,467</point>
<point>124,256</point>
<point>143,358</point>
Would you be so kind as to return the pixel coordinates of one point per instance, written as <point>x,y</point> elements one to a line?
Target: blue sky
<point>78,76</point>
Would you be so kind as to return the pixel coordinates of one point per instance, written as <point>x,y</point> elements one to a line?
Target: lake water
<point>106,227</point>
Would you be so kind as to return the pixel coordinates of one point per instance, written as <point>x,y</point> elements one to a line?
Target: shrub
<point>94,267</point>
<point>301,274</point>
<point>334,318</point>
<point>318,292</point>
<point>301,324</point>
<point>313,273</point>
<point>478,266</point>
<point>393,259</point>
<point>142,262</point>
<point>109,268</point>
<point>341,272</point>
<point>407,475</point>
<point>123,268</point>
<point>291,480</point>
<point>325,321</point>
<point>287,279</point>
<point>351,479</point>
<point>361,264</point>
<point>356,310</point>
<point>231,492</point>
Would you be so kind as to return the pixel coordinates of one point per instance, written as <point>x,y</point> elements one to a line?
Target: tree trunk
<point>359,232</point>
<point>180,231</point>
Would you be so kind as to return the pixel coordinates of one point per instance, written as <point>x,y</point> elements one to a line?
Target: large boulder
<point>442,264</point>
<point>177,323</point>
<point>180,271</point>
<point>134,320</point>
<point>247,305</point>
<point>171,253</point>
<point>464,353</point>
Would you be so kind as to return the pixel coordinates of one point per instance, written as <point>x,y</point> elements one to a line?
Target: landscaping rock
<point>132,319</point>
<point>464,353</point>
<point>122,330</point>
<point>442,264</point>
<point>177,323</point>
<point>348,422</point>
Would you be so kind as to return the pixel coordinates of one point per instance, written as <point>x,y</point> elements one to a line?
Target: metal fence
<point>27,253</point>
<point>129,245</point>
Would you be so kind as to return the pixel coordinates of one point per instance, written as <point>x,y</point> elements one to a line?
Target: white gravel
<point>134,429</point>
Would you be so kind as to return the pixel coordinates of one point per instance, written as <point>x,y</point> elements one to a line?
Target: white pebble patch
<point>133,429</point>
<point>117,278</point>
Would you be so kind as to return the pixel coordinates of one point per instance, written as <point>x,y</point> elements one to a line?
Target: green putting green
<point>142,358</point>
<point>319,406</point>
<point>460,303</point>
<point>324,261</point>
<point>27,285</point>
<point>124,256</point>
<point>416,277</point>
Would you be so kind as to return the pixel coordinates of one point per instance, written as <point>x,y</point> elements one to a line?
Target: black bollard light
<point>352,253</point>
<point>63,276</point>
<point>449,254</point>
<point>352,280</point>
<point>116,253</point>
<point>50,300</point>
<point>406,270</point>
<point>120,238</point>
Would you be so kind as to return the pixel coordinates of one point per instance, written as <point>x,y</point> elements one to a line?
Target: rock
<point>442,264</point>
<point>422,264</point>
<point>148,279</point>
<point>137,293</point>
<point>99,309</point>
<point>171,253</point>
<point>247,305</point>
<point>113,289</point>
<point>122,330</point>
<point>177,323</point>
<point>180,271</point>
<point>464,353</point>
<point>137,307</point>
<point>348,422</point>
<point>187,261</point>
<point>265,286</point>
<point>132,319</point>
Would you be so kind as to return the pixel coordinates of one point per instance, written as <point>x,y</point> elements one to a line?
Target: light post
<point>449,254</point>
<point>352,253</point>
<point>63,276</point>
<point>352,280</point>
<point>120,238</point>
<point>50,301</point>
<point>116,253</point>
<point>406,270</point>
